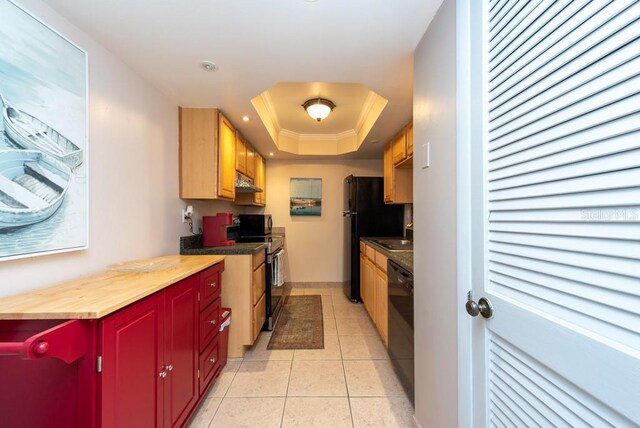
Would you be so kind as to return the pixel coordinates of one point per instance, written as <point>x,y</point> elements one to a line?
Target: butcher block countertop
<point>98,295</point>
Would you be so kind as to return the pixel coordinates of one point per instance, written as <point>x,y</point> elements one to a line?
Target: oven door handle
<point>270,257</point>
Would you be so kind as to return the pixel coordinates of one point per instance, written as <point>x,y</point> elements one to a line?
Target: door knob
<point>483,307</point>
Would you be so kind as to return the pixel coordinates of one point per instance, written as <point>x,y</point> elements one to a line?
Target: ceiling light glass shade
<point>318,108</point>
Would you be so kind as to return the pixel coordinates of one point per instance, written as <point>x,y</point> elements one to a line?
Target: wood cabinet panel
<point>368,290</point>
<point>399,147</point>
<point>259,316</point>
<point>210,281</point>
<point>132,352</point>
<point>208,322</point>
<point>381,262</point>
<point>258,283</point>
<point>382,305</point>
<point>226,159</point>
<point>410,139</point>
<point>241,154</point>
<point>181,352</point>
<point>251,161</point>
<point>209,364</point>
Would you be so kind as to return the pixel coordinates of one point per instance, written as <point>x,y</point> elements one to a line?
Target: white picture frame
<point>44,150</point>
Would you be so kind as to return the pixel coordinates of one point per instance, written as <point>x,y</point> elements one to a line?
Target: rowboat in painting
<point>32,186</point>
<point>31,133</point>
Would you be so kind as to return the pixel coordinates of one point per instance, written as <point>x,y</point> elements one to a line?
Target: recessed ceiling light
<point>246,118</point>
<point>209,66</point>
<point>270,153</point>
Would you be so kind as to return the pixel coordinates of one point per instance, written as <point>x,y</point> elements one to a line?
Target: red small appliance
<point>214,230</point>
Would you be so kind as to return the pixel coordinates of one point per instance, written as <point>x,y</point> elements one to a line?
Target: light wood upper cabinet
<point>398,168</point>
<point>399,147</point>
<point>410,139</point>
<point>207,155</point>
<point>241,154</point>
<point>388,174</point>
<point>251,161</point>
<point>227,156</point>
<point>259,179</point>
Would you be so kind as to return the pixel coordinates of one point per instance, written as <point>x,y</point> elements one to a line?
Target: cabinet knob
<point>163,374</point>
<point>212,360</point>
<point>213,322</point>
<point>169,367</point>
<point>213,284</point>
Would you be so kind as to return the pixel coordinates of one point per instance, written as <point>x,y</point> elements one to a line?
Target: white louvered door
<point>560,243</point>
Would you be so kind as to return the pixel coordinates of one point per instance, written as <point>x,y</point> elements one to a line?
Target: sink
<point>144,265</point>
<point>395,244</point>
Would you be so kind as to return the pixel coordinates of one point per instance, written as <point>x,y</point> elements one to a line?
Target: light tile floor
<point>349,383</point>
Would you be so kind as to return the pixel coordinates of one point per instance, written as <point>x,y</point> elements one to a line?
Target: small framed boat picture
<point>306,197</point>
<point>43,138</point>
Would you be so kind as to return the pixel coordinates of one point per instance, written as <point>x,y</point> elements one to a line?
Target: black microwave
<point>255,224</point>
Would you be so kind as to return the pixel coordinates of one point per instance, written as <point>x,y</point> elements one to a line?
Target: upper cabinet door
<point>399,147</point>
<point>251,166</point>
<point>241,154</point>
<point>410,139</point>
<point>226,159</point>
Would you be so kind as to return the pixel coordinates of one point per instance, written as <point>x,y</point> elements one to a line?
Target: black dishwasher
<point>401,325</point>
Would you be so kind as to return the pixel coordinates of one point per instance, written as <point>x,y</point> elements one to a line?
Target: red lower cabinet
<point>132,347</point>
<point>153,370</point>
<point>146,365</point>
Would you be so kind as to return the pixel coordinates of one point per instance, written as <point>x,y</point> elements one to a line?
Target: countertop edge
<point>109,308</point>
<point>391,255</point>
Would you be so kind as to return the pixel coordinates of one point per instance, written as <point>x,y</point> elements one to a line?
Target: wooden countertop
<point>95,296</point>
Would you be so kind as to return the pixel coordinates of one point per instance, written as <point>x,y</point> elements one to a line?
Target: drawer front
<point>370,252</point>
<point>258,283</point>
<point>381,261</point>
<point>209,365</point>
<point>209,323</point>
<point>257,259</point>
<point>362,247</point>
<point>210,283</point>
<point>259,316</point>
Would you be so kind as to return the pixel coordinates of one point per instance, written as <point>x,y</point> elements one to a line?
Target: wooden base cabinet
<point>153,372</point>
<point>374,285</point>
<point>246,297</point>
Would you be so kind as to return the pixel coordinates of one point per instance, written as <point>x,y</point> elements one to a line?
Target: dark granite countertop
<point>403,258</point>
<point>192,245</point>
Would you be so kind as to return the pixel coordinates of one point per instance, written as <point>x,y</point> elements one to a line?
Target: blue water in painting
<point>310,211</point>
<point>44,75</point>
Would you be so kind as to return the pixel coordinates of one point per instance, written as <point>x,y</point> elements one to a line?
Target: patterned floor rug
<point>300,325</point>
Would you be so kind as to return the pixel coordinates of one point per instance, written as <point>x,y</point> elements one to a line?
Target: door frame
<point>470,205</point>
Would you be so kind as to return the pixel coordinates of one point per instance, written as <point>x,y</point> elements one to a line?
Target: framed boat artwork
<point>306,197</point>
<point>43,138</point>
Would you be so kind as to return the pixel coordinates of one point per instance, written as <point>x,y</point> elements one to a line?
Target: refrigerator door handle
<point>348,213</point>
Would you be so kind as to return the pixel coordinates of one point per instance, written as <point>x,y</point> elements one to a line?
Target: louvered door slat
<point>608,198</point>
<point>626,231</point>
<point>514,26</point>
<point>603,216</point>
<point>549,30</point>
<point>626,143</point>
<point>570,54</point>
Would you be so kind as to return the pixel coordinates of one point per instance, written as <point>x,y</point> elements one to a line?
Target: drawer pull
<point>213,322</point>
<point>212,360</point>
<point>213,284</point>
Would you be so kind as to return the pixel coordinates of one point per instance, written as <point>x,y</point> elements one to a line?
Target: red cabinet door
<point>181,350</point>
<point>131,348</point>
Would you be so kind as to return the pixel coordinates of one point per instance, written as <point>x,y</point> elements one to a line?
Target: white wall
<point>316,250</point>
<point>436,308</point>
<point>133,194</point>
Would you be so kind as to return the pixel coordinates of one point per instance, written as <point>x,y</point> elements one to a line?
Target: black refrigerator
<point>366,215</point>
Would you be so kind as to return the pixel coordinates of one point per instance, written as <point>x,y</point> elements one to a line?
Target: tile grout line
<point>286,393</point>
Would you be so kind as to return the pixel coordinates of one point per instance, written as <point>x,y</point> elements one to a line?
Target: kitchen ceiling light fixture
<point>318,108</point>
<point>209,66</point>
<point>246,118</point>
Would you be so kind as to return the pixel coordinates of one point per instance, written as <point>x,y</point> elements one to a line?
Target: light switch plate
<point>426,162</point>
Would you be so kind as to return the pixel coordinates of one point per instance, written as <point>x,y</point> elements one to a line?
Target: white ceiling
<point>259,43</point>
